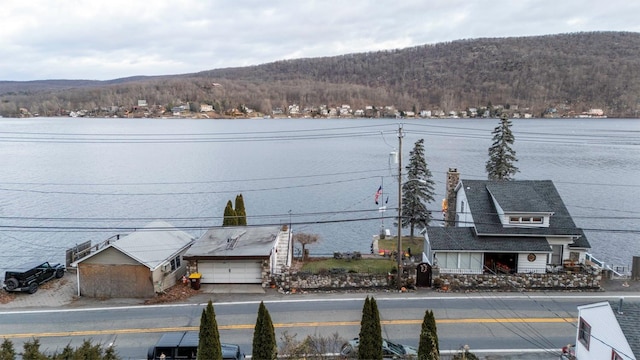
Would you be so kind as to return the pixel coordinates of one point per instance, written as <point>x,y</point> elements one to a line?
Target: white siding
<point>459,262</point>
<point>230,271</point>
<point>539,265</point>
<point>463,215</point>
<point>605,333</point>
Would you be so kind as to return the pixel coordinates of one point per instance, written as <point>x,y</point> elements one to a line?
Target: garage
<point>239,254</point>
<point>230,272</point>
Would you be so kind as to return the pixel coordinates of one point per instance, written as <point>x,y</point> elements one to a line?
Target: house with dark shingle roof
<point>518,226</point>
<point>608,330</point>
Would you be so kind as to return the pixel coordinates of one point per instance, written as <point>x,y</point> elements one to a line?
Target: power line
<point>52,228</point>
<point>195,182</point>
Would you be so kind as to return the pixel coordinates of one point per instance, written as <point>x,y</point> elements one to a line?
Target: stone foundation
<point>307,281</point>
<point>517,282</point>
<point>450,282</point>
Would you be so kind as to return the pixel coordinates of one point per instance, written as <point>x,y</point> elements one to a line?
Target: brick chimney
<point>453,178</point>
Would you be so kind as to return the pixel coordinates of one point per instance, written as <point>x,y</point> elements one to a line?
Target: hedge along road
<point>488,321</point>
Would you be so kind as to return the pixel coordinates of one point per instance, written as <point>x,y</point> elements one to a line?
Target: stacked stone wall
<point>308,281</point>
<point>448,282</point>
<point>517,282</point>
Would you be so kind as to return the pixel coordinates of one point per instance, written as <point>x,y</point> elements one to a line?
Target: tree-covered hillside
<point>568,72</point>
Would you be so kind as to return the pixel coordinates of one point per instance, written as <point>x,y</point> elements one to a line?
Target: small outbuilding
<point>240,254</point>
<point>138,265</point>
<point>608,330</point>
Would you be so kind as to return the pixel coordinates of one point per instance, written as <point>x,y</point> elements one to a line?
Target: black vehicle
<point>184,345</point>
<point>30,276</point>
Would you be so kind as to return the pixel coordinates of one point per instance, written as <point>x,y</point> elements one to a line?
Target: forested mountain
<point>570,72</point>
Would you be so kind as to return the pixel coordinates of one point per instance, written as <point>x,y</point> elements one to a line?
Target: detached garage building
<point>240,254</point>
<point>139,265</point>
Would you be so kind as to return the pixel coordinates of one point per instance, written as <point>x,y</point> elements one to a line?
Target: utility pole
<point>400,252</point>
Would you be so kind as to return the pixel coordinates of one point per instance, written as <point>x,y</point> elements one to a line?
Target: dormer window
<point>525,220</point>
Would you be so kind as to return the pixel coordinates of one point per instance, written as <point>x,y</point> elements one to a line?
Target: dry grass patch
<point>416,244</point>
<point>363,266</point>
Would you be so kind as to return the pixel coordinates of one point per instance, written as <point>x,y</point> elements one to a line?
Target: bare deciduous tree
<point>305,239</point>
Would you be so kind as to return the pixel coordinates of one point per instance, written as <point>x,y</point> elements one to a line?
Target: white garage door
<point>230,272</point>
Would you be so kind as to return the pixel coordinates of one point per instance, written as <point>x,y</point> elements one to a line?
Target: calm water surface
<point>65,181</point>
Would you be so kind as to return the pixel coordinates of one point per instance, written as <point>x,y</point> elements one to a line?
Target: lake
<point>66,181</point>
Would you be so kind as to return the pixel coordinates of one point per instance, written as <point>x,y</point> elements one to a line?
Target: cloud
<point>95,39</point>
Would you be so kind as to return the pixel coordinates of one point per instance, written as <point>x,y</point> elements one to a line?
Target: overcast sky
<point>101,40</point>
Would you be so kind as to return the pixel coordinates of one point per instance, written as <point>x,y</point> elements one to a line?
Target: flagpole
<point>399,253</point>
<point>381,211</point>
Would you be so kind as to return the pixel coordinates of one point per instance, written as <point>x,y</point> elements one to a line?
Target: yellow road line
<point>286,325</point>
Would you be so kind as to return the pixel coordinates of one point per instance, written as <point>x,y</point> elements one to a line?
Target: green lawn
<point>375,265</point>
<point>371,266</point>
<point>390,243</point>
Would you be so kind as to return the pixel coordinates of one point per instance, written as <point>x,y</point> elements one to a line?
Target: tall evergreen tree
<point>502,157</point>
<point>377,327</point>
<point>418,190</point>
<point>240,211</point>
<point>67,353</point>
<point>370,337</point>
<point>428,348</point>
<point>264,336</point>
<point>110,353</point>
<point>209,338</point>
<point>7,352</point>
<point>230,218</point>
<point>88,350</point>
<point>32,350</point>
<point>365,335</point>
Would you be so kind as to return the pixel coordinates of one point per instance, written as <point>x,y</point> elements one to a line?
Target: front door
<point>424,275</point>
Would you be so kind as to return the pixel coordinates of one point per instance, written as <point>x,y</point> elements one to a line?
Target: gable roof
<point>628,320</point>
<point>444,239</point>
<point>235,242</point>
<point>519,195</point>
<point>151,245</point>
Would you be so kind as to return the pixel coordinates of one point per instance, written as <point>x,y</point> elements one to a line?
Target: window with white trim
<point>584,333</point>
<point>526,220</point>
<point>175,263</point>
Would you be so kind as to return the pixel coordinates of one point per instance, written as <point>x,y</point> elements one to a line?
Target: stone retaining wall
<point>449,282</point>
<point>517,282</point>
<point>307,281</point>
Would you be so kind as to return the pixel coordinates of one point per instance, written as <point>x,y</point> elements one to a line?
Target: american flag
<point>378,194</point>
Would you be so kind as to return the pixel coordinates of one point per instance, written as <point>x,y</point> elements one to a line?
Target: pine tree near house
<point>502,157</point>
<point>377,327</point>
<point>209,346</point>
<point>264,337</point>
<point>7,352</point>
<point>230,218</point>
<point>428,348</point>
<point>32,350</point>
<point>370,337</point>
<point>417,191</point>
<point>240,211</point>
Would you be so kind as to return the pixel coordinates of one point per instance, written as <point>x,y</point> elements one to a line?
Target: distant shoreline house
<point>518,226</point>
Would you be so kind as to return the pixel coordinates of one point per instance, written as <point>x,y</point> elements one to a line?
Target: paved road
<point>401,315</point>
